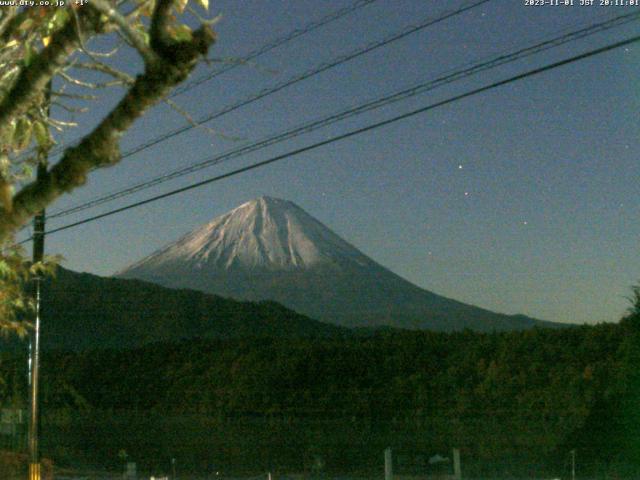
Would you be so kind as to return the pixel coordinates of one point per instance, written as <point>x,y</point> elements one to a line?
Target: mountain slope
<point>81,311</point>
<point>266,234</point>
<point>272,249</point>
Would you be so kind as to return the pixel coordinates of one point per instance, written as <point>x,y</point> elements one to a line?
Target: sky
<point>523,199</point>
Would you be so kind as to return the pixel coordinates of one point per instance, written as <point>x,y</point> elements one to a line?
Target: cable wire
<point>298,32</point>
<point>430,21</point>
<point>344,114</point>
<point>275,44</point>
<point>352,133</point>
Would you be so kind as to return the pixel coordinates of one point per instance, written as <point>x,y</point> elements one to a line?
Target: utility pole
<point>38,253</point>
<point>573,464</point>
<point>34,346</point>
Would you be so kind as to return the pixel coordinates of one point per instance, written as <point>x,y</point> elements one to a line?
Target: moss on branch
<point>100,148</point>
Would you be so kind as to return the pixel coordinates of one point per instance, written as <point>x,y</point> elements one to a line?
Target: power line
<point>377,103</point>
<point>298,32</point>
<point>276,43</point>
<point>315,71</point>
<point>355,132</point>
<point>430,21</point>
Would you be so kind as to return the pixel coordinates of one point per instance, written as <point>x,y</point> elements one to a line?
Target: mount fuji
<point>271,249</point>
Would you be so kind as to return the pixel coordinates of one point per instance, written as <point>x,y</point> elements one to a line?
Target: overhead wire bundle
<point>359,131</point>
<point>444,79</point>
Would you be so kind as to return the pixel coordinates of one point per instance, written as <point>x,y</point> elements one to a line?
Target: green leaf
<point>5,269</point>
<point>26,171</point>
<point>5,165</point>
<point>7,134</point>
<point>29,55</point>
<point>181,33</point>
<point>22,134</point>
<point>41,132</point>
<point>58,19</point>
<point>181,5</point>
<point>143,32</point>
<point>26,25</point>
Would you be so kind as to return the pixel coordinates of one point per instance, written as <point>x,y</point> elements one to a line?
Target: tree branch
<point>100,148</point>
<point>32,79</point>
<point>132,35</point>
<point>10,22</point>
<point>106,69</point>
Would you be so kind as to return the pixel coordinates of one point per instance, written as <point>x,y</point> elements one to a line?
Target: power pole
<point>573,464</point>
<point>38,253</point>
<point>34,347</point>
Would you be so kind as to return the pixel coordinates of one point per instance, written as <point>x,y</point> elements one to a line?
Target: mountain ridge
<point>83,311</point>
<point>258,240</point>
<point>271,249</point>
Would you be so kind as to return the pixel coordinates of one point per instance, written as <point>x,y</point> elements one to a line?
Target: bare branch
<point>100,148</point>
<point>83,46</point>
<point>114,83</point>
<point>7,16</point>
<point>95,55</point>
<point>203,20</point>
<point>74,96</point>
<point>187,116</point>
<point>135,13</point>
<point>33,79</point>
<point>69,109</point>
<point>75,81</point>
<point>130,34</point>
<point>56,127</point>
<point>108,70</point>
<point>91,85</point>
<point>60,123</point>
<point>10,23</point>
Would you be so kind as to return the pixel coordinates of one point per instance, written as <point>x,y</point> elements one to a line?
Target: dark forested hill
<point>83,311</point>
<point>251,388</point>
<point>515,403</point>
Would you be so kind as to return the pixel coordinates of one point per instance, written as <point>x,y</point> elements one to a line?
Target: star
<point>459,167</point>
<point>466,194</point>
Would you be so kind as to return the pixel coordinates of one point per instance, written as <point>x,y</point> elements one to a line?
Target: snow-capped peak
<point>264,233</point>
<point>271,249</point>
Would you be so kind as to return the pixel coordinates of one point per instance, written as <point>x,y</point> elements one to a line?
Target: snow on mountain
<point>271,249</point>
<point>266,233</point>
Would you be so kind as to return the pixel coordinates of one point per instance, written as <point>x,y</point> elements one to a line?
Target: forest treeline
<point>515,403</point>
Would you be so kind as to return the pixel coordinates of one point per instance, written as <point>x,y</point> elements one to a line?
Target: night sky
<point>524,199</point>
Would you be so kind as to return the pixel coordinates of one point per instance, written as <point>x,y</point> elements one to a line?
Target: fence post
<point>457,470</point>
<point>388,464</point>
